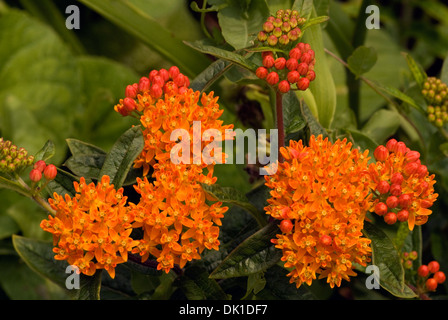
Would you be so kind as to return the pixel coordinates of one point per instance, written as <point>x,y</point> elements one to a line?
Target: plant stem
<point>280,125</point>
<point>35,196</point>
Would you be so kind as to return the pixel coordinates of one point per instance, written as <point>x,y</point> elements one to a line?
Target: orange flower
<point>400,170</point>
<point>324,189</point>
<point>92,229</point>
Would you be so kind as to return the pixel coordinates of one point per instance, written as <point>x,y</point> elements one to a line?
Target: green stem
<point>34,194</point>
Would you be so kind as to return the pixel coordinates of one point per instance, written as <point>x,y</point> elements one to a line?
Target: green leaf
<point>233,196</point>
<point>39,84</point>
<point>416,69</point>
<point>46,152</point>
<point>398,94</point>
<point>382,125</point>
<point>314,126</point>
<point>62,184</point>
<point>239,28</point>
<point>444,71</point>
<point>315,21</point>
<point>212,73</point>
<point>255,254</point>
<point>87,166</point>
<point>136,17</point>
<point>197,285</point>
<point>362,60</point>
<point>388,260</point>
<point>122,155</point>
<point>292,119</point>
<point>39,256</point>
<point>362,140</point>
<point>205,47</point>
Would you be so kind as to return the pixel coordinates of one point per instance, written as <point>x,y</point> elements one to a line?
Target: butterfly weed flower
<point>323,189</point>
<point>92,229</point>
<point>403,187</point>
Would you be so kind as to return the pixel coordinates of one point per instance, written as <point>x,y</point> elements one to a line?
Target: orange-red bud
<point>381,153</point>
<point>433,266</point>
<point>35,175</point>
<point>286,226</point>
<point>390,218</point>
<point>50,172</point>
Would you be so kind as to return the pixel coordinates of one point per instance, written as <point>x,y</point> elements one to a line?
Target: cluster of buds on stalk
<point>403,187</point>
<point>294,71</point>
<point>12,158</point>
<point>431,275</point>
<point>436,95</point>
<point>281,29</point>
<point>42,170</point>
<point>153,87</point>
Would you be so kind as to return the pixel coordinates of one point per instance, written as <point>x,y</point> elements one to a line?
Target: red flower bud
<point>280,63</point>
<point>306,58</point>
<point>158,80</point>
<point>433,266</point>
<point>423,270</point>
<point>431,284</point>
<point>390,218</point>
<point>422,171</point>
<point>381,153</point>
<point>284,86</point>
<point>156,91</point>
<point>40,165</point>
<point>143,84</point>
<point>411,168</point>
<point>272,78</point>
<point>292,64</point>
<point>173,72</point>
<point>261,72</point>
<point>380,208</point>
<point>404,200</point>
<point>395,190</point>
<point>268,61</point>
<point>164,74</point>
<point>268,26</point>
<point>397,178</point>
<point>400,148</point>
<point>283,39</point>
<point>131,91</point>
<point>326,240</point>
<point>35,175</point>
<point>311,75</point>
<point>383,187</point>
<point>402,215</point>
<point>286,226</point>
<point>129,105</point>
<point>392,202</point>
<point>152,74</point>
<point>180,80</point>
<point>440,277</point>
<point>295,53</point>
<point>302,68</point>
<point>390,145</point>
<point>293,76</point>
<point>262,36</point>
<point>50,172</point>
<point>412,156</point>
<point>303,84</point>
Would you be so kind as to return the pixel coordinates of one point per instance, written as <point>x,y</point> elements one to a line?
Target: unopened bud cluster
<point>403,187</point>
<point>436,94</point>
<point>281,29</point>
<point>432,275</point>
<point>294,71</point>
<point>408,259</point>
<point>12,158</point>
<point>42,170</point>
<point>153,87</point>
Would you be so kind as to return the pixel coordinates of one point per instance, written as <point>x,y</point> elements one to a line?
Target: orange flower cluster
<point>321,195</point>
<point>404,189</point>
<point>178,224</point>
<point>92,229</point>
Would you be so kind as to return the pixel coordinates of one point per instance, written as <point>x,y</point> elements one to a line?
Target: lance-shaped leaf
<point>39,256</point>
<point>417,71</point>
<point>233,196</point>
<point>212,73</point>
<point>120,159</point>
<point>362,60</point>
<point>236,58</point>
<point>46,152</point>
<point>253,255</point>
<point>386,257</point>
